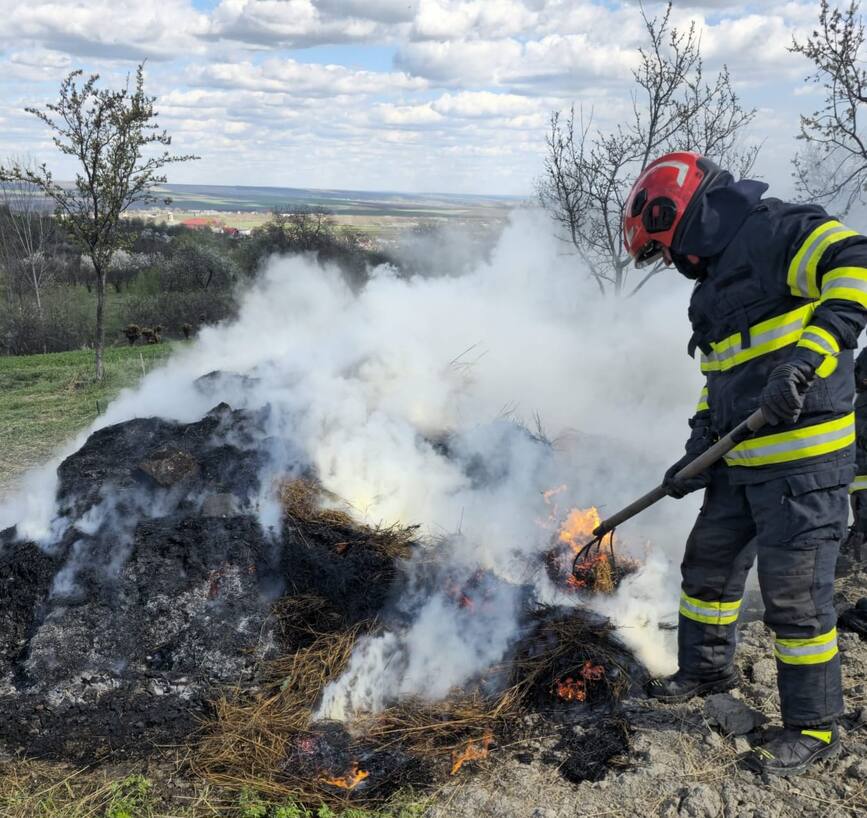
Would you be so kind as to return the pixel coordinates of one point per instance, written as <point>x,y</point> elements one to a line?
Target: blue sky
<point>414,95</point>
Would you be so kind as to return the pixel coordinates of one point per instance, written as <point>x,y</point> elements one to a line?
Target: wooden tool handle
<point>695,467</point>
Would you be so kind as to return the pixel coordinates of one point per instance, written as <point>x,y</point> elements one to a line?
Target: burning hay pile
<point>566,562</point>
<point>164,585</point>
<point>268,737</point>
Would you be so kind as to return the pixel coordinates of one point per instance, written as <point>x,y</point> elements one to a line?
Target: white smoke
<point>362,386</point>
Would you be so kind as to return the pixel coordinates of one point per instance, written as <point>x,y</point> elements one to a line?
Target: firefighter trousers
<point>794,525</point>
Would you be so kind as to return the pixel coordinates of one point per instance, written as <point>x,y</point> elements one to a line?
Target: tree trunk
<point>100,321</point>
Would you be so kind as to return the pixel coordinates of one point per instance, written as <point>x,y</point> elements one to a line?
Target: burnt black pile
<point>163,610</point>
<point>161,586</point>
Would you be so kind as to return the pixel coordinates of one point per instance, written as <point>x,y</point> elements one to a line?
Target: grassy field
<point>47,790</point>
<point>45,399</point>
<point>378,225</point>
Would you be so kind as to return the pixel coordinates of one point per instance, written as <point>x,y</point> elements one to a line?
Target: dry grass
<point>252,734</point>
<point>553,648</point>
<point>313,510</point>
<point>38,789</point>
<point>255,738</point>
<point>248,740</point>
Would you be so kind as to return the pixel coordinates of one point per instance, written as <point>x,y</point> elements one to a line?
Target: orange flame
<point>349,781</point>
<point>578,527</point>
<point>575,690</point>
<point>553,493</point>
<point>472,752</point>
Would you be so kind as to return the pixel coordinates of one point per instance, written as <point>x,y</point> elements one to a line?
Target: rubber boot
<point>682,686</point>
<point>855,619</point>
<point>793,750</point>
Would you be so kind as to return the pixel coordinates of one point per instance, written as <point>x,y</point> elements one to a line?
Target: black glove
<point>701,439</point>
<point>782,399</point>
<point>680,488</point>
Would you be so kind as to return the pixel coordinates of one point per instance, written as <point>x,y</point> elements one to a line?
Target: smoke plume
<point>417,401</point>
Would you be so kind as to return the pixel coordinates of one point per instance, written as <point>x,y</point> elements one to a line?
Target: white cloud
<point>481,104</point>
<point>300,23</point>
<point>289,76</point>
<point>404,115</point>
<point>454,19</point>
<point>106,29</point>
<point>558,63</point>
<point>383,11</point>
<point>751,41</point>
<point>426,94</point>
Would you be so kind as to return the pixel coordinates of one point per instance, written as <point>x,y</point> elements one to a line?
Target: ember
<point>592,672</point>
<point>478,590</point>
<point>593,572</point>
<point>572,690</point>
<point>474,751</point>
<point>349,781</point>
<point>575,690</point>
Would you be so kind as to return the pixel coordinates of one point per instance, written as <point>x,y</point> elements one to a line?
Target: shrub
<point>133,333</point>
<point>171,310</point>
<point>65,323</point>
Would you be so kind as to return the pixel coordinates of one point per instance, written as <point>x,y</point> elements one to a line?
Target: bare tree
<point>108,135</point>
<point>27,236</point>
<point>832,165</point>
<point>588,172</point>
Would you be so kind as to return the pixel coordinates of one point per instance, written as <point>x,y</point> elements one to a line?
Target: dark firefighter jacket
<point>859,484</point>
<point>790,280</point>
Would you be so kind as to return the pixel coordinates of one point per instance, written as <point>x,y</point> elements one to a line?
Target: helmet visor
<point>647,255</point>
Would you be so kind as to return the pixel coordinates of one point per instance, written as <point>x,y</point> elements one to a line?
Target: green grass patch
<point>46,399</point>
<point>31,789</point>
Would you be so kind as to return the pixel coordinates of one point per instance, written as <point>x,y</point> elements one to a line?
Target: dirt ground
<point>680,762</point>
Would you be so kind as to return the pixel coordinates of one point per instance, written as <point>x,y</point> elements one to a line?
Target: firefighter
<point>858,489</point>
<point>779,301</point>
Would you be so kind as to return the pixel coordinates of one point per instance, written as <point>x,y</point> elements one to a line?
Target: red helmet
<point>659,200</point>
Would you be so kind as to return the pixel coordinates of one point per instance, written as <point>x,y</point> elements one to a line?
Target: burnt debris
<point>160,588</point>
<point>164,613</point>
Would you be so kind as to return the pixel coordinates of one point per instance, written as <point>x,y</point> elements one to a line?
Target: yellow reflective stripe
<point>702,405</point>
<point>704,619</point>
<point>822,735</point>
<point>808,344</point>
<point>823,338</point>
<point>796,444</point>
<point>801,276</point>
<point>846,284</point>
<point>821,639</point>
<point>858,484</point>
<point>717,606</point>
<point>812,651</point>
<point>709,613</point>
<point>821,341</point>
<point>766,336</point>
<point>827,366</point>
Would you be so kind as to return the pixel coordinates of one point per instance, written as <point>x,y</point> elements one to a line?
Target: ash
<point>158,590</point>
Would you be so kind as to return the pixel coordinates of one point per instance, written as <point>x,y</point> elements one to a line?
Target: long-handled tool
<point>704,461</point>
